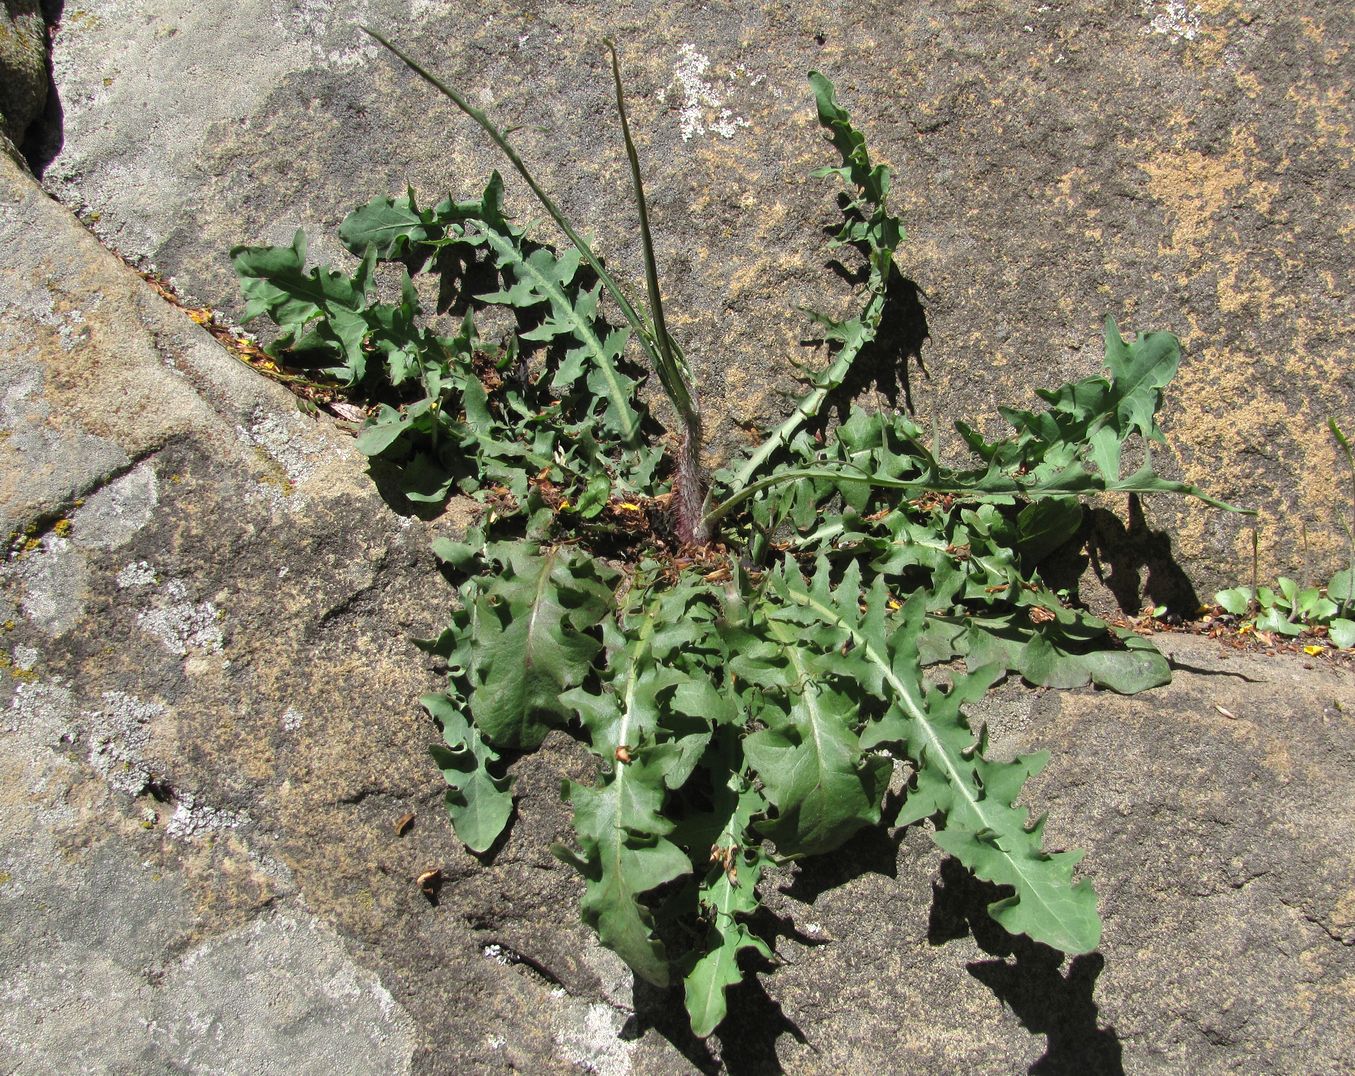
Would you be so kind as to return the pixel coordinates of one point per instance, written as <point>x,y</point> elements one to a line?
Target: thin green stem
<point>809,404</point>
<point>1077,485</point>
<point>669,369</point>
<point>1344,442</point>
<point>689,487</point>
<point>636,322</point>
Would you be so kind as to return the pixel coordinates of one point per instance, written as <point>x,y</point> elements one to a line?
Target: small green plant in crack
<point>1290,608</point>
<point>745,654</point>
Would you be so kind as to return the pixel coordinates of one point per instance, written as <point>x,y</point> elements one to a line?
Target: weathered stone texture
<point>209,723</point>
<point>208,718</point>
<point>23,67</point>
<point>1180,166</point>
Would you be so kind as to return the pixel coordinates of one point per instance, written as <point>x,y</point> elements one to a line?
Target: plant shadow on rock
<point>747,1036</point>
<point>1047,1003</point>
<point>755,1022</point>
<point>873,850</point>
<point>1121,552</point>
<point>884,364</point>
<point>1135,564</point>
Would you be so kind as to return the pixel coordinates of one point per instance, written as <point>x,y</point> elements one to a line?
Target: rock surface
<point>208,723</point>
<point>210,738</point>
<point>1180,166</point>
<point>23,67</point>
<point>210,729</point>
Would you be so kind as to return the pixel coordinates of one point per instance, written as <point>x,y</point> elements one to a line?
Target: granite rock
<point>209,733</point>
<point>1183,167</point>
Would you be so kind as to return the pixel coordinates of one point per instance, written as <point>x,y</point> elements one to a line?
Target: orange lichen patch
<point>1325,116</point>
<point>1197,188</point>
<point>1343,915</point>
<point>1243,287</point>
<point>1217,9</point>
<point>1220,416</point>
<point>1064,188</point>
<point>1312,29</point>
<point>1248,83</point>
<point>1204,29</point>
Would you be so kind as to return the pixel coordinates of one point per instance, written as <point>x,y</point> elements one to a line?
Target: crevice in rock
<point>46,134</point>
<point>509,957</point>
<point>46,522</point>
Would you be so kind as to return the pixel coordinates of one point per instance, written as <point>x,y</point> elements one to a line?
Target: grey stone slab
<point>208,719</point>
<point>205,744</point>
<point>1181,169</point>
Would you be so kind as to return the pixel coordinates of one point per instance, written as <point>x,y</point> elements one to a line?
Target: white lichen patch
<point>194,818</point>
<point>180,624</point>
<point>591,1039</point>
<point>422,8</point>
<point>1173,18</point>
<point>54,572</point>
<point>119,733</point>
<point>700,102</point>
<point>292,719</point>
<point>25,657</point>
<point>498,954</point>
<point>45,713</point>
<point>139,573</point>
<point>55,580</point>
<point>287,438</point>
<point>327,27</point>
<point>72,332</point>
<point>288,442</point>
<point>112,516</point>
<point>23,400</point>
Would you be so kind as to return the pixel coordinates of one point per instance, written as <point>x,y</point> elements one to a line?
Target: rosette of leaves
<point>456,413</point>
<point>750,700</point>
<point>1289,608</point>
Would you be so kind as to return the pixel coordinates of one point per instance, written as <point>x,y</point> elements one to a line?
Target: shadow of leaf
<point>1025,977</point>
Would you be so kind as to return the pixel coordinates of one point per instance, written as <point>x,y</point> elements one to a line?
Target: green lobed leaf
<point>533,642</point>
<point>727,895</point>
<point>1052,655</point>
<point>392,225</point>
<point>1341,588</point>
<point>478,801</point>
<point>397,227</point>
<point>973,795</point>
<point>545,279</point>
<point>870,224</point>
<point>1139,373</point>
<point>622,832</point>
<point>321,310</point>
<point>808,757</point>
<point>1043,526</point>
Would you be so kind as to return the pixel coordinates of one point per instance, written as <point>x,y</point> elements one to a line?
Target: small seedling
<point>1289,608</point>
<point>743,652</point>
